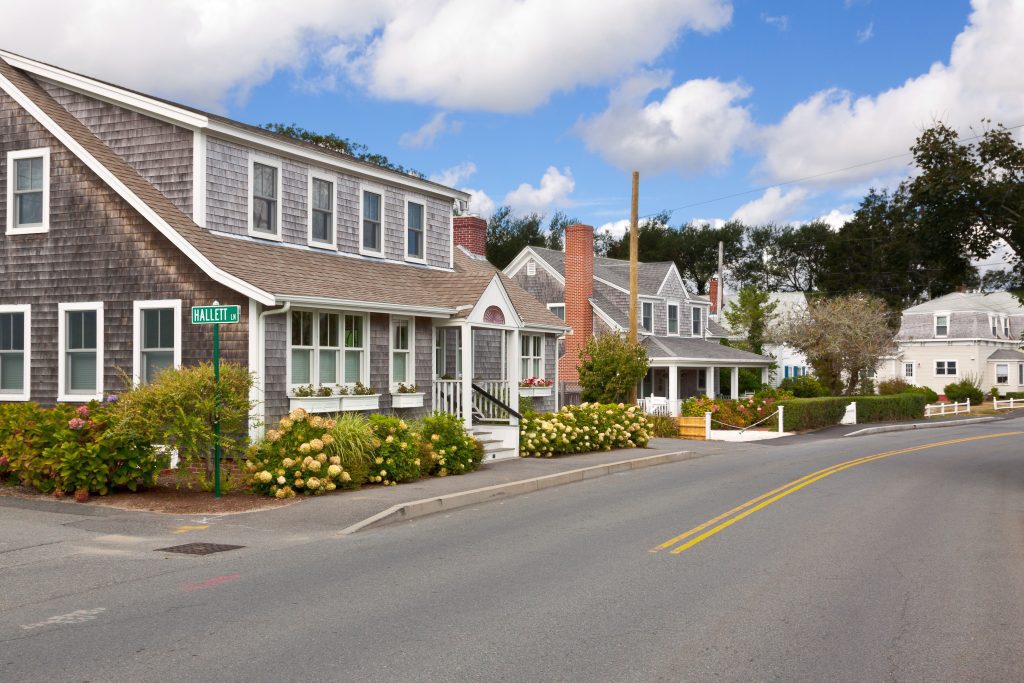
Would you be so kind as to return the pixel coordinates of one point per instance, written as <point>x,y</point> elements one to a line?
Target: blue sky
<point>549,105</point>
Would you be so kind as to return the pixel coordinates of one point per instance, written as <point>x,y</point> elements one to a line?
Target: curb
<point>921,425</point>
<point>452,501</point>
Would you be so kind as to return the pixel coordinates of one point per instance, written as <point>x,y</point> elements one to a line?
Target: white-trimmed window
<point>321,211</point>
<point>355,349</point>
<point>941,325</point>
<point>696,321</point>
<point>993,322</point>
<point>301,348</point>
<point>647,316</point>
<point>558,310</point>
<point>1006,327</point>
<point>15,352</point>
<point>329,347</point>
<point>157,334</point>
<point>908,370</point>
<point>673,318</point>
<point>326,348</point>
<point>1002,373</point>
<point>415,230</point>
<point>371,221</point>
<point>945,368</point>
<point>532,356</point>
<point>28,191</point>
<point>402,356</point>
<point>439,359</point>
<point>265,198</point>
<point>80,352</point>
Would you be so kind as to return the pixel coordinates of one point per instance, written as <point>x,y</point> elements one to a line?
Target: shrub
<point>741,413</point>
<point>447,448</point>
<point>610,368</point>
<point>895,385</point>
<point>583,428</point>
<point>398,455</point>
<point>802,414</point>
<point>929,395</point>
<point>176,409</point>
<point>1014,394</point>
<point>963,390</point>
<point>697,406</point>
<point>293,458</point>
<point>804,386</point>
<point>663,426</point>
<point>905,406</point>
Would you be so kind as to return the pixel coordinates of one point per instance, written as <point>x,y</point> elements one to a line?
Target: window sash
<point>908,369</point>
<point>531,356</point>
<point>1002,373</point>
<point>945,367</point>
<point>697,322</point>
<point>81,334</point>
<point>415,218</point>
<point>372,221</point>
<point>322,207</point>
<point>941,325</point>
<point>264,198</point>
<point>28,191</point>
<point>12,372</point>
<point>647,310</point>
<point>673,319</point>
<point>12,331</point>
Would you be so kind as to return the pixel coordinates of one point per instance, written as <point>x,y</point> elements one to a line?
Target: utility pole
<point>633,267</point>
<point>720,290</point>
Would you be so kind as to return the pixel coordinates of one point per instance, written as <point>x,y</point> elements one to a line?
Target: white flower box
<point>414,400</point>
<point>370,402</point>
<point>535,391</point>
<point>314,404</point>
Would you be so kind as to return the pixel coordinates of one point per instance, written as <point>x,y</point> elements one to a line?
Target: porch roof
<point>698,350</point>
<point>475,273</point>
<point>1006,354</point>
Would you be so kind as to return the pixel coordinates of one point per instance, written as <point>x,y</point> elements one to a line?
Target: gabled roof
<point>650,275</point>
<point>691,348</point>
<point>988,302</point>
<point>1006,354</point>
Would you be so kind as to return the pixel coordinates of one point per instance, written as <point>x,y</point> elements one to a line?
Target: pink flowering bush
<point>531,382</point>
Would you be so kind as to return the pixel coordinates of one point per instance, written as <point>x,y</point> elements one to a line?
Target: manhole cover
<point>199,548</point>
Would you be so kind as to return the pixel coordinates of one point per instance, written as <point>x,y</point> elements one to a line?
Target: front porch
<point>667,385</point>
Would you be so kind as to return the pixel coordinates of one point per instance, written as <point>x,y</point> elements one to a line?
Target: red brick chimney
<point>579,286</point>
<point>471,233</point>
<point>713,294</point>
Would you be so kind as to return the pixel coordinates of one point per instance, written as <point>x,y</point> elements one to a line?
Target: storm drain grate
<point>199,548</point>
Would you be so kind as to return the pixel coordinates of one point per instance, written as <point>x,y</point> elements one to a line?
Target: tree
<point>783,258</point>
<point>336,143</point>
<point>610,367</point>
<point>508,234</point>
<point>751,315</point>
<point>841,337</point>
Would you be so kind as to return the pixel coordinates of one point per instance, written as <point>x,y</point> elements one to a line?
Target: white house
<point>791,362</point>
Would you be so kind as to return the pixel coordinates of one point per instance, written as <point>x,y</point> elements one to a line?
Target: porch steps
<point>494,448</point>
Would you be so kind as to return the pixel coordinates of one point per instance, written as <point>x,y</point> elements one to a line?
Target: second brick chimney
<point>579,287</point>
<point>713,294</point>
<point>471,233</point>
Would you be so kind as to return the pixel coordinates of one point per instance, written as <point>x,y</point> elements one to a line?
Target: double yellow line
<point>727,519</point>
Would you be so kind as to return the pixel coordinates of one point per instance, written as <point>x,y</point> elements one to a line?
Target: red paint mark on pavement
<point>209,583</point>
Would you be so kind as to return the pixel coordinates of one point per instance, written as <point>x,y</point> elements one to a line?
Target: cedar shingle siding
<point>98,248</point>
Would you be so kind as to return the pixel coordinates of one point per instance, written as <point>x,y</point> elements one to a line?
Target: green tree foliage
<point>610,367</point>
<point>783,258</point>
<point>751,315</point>
<point>508,234</point>
<point>336,143</point>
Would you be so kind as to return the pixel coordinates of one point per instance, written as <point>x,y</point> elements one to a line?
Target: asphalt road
<point>904,567</point>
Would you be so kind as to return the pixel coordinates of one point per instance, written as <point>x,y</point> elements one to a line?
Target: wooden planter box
<point>692,427</point>
<point>371,402</point>
<point>535,391</point>
<point>407,400</point>
<point>314,404</point>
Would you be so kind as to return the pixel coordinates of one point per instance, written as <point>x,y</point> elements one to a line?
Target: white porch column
<point>512,368</point>
<point>764,375</point>
<point>734,383</point>
<point>710,379</point>
<point>673,391</point>
<point>467,374</point>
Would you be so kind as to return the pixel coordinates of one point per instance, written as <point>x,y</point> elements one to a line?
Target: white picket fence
<point>947,408</point>
<point>1007,403</point>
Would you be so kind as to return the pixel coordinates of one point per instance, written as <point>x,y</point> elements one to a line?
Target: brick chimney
<point>579,286</point>
<point>713,294</point>
<point>471,233</point>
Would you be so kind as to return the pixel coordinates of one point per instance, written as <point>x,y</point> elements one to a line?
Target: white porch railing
<point>488,410</point>
<point>947,408</point>
<point>447,396</point>
<point>1007,403</point>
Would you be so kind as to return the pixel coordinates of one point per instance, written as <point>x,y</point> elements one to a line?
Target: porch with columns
<point>668,384</point>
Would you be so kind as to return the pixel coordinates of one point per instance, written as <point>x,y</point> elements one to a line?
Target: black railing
<point>498,402</point>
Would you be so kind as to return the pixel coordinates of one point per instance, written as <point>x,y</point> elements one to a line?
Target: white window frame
<point>993,324</point>
<point>310,240</point>
<point>364,362</point>
<point>405,230</point>
<point>62,310</point>
<point>553,306</point>
<point>1006,326</point>
<point>26,388</point>
<point>314,363</point>
<point>377,190</point>
<point>912,367</point>
<point>644,305</point>
<point>312,348</point>
<point>935,324</point>
<point>1006,380</point>
<point>945,362</point>
<point>696,321</point>
<point>13,156</point>
<point>410,366</point>
<point>668,318</point>
<point>137,308</point>
<point>531,358</point>
<point>275,163</point>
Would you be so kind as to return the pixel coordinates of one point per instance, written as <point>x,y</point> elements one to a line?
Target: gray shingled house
<point>591,293</point>
<point>122,211</point>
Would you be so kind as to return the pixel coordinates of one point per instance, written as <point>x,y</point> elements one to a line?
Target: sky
<point>771,111</point>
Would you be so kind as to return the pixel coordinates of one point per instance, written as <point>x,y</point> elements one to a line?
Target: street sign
<point>214,315</point>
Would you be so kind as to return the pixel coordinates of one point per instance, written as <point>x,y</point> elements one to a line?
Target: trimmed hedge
<point>803,414</point>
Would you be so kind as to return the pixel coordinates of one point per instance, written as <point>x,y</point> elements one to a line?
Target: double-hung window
<point>329,334</point>
<point>355,348</point>
<point>993,322</point>
<point>15,352</point>
<point>647,315</point>
<point>321,211</point>
<point>415,227</point>
<point>1002,373</point>
<point>941,325</point>
<point>908,370</point>
<point>28,191</point>
<point>157,338</point>
<point>302,348</point>
<point>326,348</point>
<point>80,356</point>
<point>673,318</point>
<point>558,310</point>
<point>532,356</point>
<point>372,241</point>
<point>1006,327</point>
<point>402,371</point>
<point>265,199</point>
<point>696,321</point>
<point>945,368</point>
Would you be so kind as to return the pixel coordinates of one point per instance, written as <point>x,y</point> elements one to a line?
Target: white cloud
<point>425,135</point>
<point>780,22</point>
<point>833,129</point>
<point>553,191</point>
<point>867,33</point>
<point>459,173</point>
<point>836,218</point>
<point>695,127</point>
<point>616,228</point>
<point>713,223</point>
<point>774,206</point>
<point>479,202</point>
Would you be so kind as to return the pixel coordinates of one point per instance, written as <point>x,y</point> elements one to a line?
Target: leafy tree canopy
<point>751,315</point>
<point>336,143</point>
<point>508,234</point>
<point>610,368</point>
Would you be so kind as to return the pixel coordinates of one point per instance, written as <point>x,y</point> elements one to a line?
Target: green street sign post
<point>216,315</point>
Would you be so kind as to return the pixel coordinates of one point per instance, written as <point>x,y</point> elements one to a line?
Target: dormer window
<point>415,222</point>
<point>941,325</point>
<point>697,321</point>
<point>265,199</point>
<point>673,318</point>
<point>321,211</point>
<point>1006,327</point>
<point>648,317</point>
<point>372,241</point>
<point>28,191</point>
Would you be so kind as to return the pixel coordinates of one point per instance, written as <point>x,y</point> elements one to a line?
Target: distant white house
<point>791,362</point>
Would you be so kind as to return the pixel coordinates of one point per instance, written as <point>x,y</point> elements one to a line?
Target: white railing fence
<point>947,408</point>
<point>499,389</point>
<point>447,396</point>
<point>1007,403</point>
